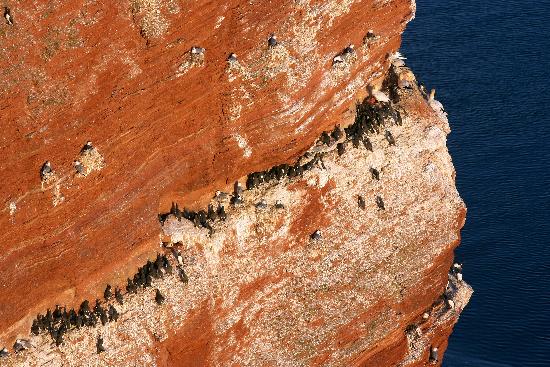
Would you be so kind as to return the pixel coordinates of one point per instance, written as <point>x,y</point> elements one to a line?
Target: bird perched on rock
<point>434,355</point>
<point>337,133</point>
<point>79,167</point>
<point>325,138</point>
<point>232,58</point>
<point>195,50</point>
<point>370,36</point>
<point>338,59</point>
<point>375,173</point>
<point>316,235</point>
<point>341,148</point>
<point>380,203</point>
<point>108,292</point>
<point>159,298</point>
<point>4,353</point>
<point>367,143</point>
<point>21,344</point>
<point>178,257</point>
<point>118,296</point>
<point>221,213</point>
<point>389,137</point>
<point>7,15</point>
<point>361,202</point>
<point>113,313</point>
<point>349,50</point>
<point>88,147</point>
<point>99,345</point>
<point>272,41</point>
<point>183,277</point>
<point>46,170</point>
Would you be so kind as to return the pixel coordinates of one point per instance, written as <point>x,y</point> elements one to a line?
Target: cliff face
<point>170,125</point>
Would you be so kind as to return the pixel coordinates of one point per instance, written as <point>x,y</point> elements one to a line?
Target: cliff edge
<point>337,249</point>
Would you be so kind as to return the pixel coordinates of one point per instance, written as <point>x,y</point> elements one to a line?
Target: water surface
<point>487,61</point>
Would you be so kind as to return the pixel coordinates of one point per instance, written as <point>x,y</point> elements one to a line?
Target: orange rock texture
<point>169,124</point>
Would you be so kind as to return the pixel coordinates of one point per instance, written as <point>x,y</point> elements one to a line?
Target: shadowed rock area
<point>171,119</point>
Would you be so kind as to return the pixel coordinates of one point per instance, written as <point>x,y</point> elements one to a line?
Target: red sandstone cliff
<point>174,127</point>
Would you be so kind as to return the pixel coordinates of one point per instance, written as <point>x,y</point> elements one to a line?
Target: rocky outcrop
<point>170,123</point>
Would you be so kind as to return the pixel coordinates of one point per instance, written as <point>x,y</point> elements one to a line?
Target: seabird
<point>232,57</point>
<point>261,204</point>
<point>159,298</point>
<point>450,304</point>
<point>108,292</point>
<point>4,353</point>
<point>279,204</point>
<point>21,344</point>
<point>113,313</point>
<point>389,137</point>
<point>118,296</point>
<point>99,345</point>
<point>336,133</point>
<point>375,173</point>
<point>378,95</point>
<point>380,203</point>
<point>457,267</point>
<point>237,189</point>
<point>348,50</point>
<point>79,167</point>
<point>361,202</point>
<point>434,356</point>
<point>272,41</point>
<point>370,34</point>
<point>459,277</point>
<point>436,105</point>
<point>35,328</point>
<point>195,50</point>
<point>87,147</point>
<point>7,15</point>
<point>341,148</point>
<point>337,60</point>
<point>179,258</point>
<point>183,276</point>
<point>425,316</point>
<point>397,56</point>
<point>367,143</point>
<point>316,235</point>
<point>45,170</point>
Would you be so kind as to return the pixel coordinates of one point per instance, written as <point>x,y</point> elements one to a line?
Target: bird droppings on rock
<point>194,58</point>
<point>90,159</point>
<point>47,175</point>
<point>8,16</point>
<point>247,233</point>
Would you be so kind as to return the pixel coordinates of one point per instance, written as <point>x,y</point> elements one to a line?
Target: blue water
<point>486,59</point>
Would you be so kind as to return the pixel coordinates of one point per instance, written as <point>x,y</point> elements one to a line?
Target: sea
<point>486,59</point>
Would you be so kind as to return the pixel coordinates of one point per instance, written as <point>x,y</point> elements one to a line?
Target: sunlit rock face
<point>173,118</point>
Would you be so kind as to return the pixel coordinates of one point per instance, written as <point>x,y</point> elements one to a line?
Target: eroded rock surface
<point>174,123</point>
<point>261,291</point>
<point>120,75</point>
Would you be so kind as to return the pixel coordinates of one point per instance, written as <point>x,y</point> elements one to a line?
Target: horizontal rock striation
<point>170,124</point>
<point>370,288</point>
